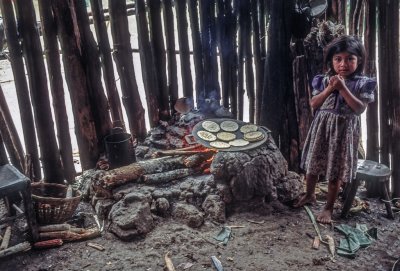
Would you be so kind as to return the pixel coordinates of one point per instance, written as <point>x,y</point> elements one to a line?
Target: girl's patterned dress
<point>331,145</point>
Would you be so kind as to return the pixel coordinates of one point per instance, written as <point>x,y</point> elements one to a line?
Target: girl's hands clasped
<point>337,82</point>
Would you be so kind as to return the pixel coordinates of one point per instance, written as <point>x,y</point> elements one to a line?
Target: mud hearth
<point>190,184</point>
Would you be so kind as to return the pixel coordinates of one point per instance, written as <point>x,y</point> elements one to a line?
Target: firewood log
<point>134,171</point>
<point>15,249</point>
<point>55,227</point>
<point>48,243</point>
<point>164,177</point>
<point>70,236</point>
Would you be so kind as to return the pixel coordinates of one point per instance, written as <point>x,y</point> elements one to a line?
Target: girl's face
<point>344,64</point>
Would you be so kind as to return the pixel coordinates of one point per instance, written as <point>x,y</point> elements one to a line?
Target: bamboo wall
<point>234,56</point>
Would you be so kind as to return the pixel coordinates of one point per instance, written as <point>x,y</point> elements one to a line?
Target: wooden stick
<point>25,246</point>
<point>70,236</point>
<point>164,177</point>
<point>55,227</point>
<point>96,246</point>
<point>6,239</point>
<point>48,243</point>
<point>168,263</point>
<point>17,208</point>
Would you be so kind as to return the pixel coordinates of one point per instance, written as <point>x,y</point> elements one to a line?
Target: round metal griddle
<point>238,133</point>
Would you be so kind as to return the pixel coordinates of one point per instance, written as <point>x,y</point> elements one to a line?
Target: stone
<point>188,214</point>
<point>214,208</point>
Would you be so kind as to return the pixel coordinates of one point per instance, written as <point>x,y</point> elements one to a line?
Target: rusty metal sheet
<point>239,135</point>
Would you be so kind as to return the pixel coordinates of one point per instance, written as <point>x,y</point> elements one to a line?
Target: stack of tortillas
<point>254,136</point>
<point>226,134</point>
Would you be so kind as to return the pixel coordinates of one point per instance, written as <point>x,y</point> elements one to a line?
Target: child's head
<point>344,44</point>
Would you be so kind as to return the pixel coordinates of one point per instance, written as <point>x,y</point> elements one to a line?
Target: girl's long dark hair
<point>341,44</point>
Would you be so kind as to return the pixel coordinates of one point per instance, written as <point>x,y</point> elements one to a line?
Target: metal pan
<point>239,135</point>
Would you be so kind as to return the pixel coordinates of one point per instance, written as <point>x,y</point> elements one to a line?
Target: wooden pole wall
<point>33,54</point>
<point>147,62</point>
<point>107,63</point>
<point>9,134</point>
<point>21,86</point>
<point>372,111</point>
<point>184,52</point>
<point>159,58</point>
<point>227,39</point>
<point>75,76</point>
<point>172,85</point>
<point>49,30</point>
<point>207,10</point>
<point>122,53</point>
<point>278,80</point>
<point>197,48</point>
<point>92,66</point>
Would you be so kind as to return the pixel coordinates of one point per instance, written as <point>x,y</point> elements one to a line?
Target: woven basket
<point>51,205</point>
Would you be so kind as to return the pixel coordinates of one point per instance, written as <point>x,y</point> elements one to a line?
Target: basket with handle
<point>50,202</point>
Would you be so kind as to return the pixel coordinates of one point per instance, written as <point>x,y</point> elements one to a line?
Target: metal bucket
<point>119,149</point>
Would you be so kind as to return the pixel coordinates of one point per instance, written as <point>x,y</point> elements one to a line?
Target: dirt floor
<point>274,238</point>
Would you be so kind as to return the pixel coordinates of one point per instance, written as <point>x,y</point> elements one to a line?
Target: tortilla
<point>229,126</point>
<point>210,126</point>
<point>254,136</point>
<point>247,128</point>
<point>226,136</point>
<point>207,136</point>
<point>219,144</point>
<point>239,142</point>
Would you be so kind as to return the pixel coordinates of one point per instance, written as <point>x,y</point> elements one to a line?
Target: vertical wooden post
<point>257,41</point>
<point>123,58</point>
<point>171,56</point>
<point>91,63</point>
<point>10,135</point>
<point>147,63</point>
<point>394,115</point>
<point>159,59</point>
<point>388,70</point>
<point>278,88</point>
<point>49,31</point>
<point>226,25</point>
<point>3,153</point>
<point>184,52</point>
<point>342,6</point>
<point>248,54</point>
<point>209,45</point>
<point>32,50</point>
<point>197,47</point>
<point>21,86</point>
<point>240,64</point>
<point>107,63</point>
<point>77,84</point>
<point>356,17</point>
<point>372,111</point>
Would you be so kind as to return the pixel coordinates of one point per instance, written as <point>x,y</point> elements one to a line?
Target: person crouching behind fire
<point>338,99</point>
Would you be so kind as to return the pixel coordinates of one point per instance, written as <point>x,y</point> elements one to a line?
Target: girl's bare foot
<point>325,217</point>
<point>305,199</point>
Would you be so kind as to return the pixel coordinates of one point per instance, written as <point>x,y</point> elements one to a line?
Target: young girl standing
<point>338,99</point>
